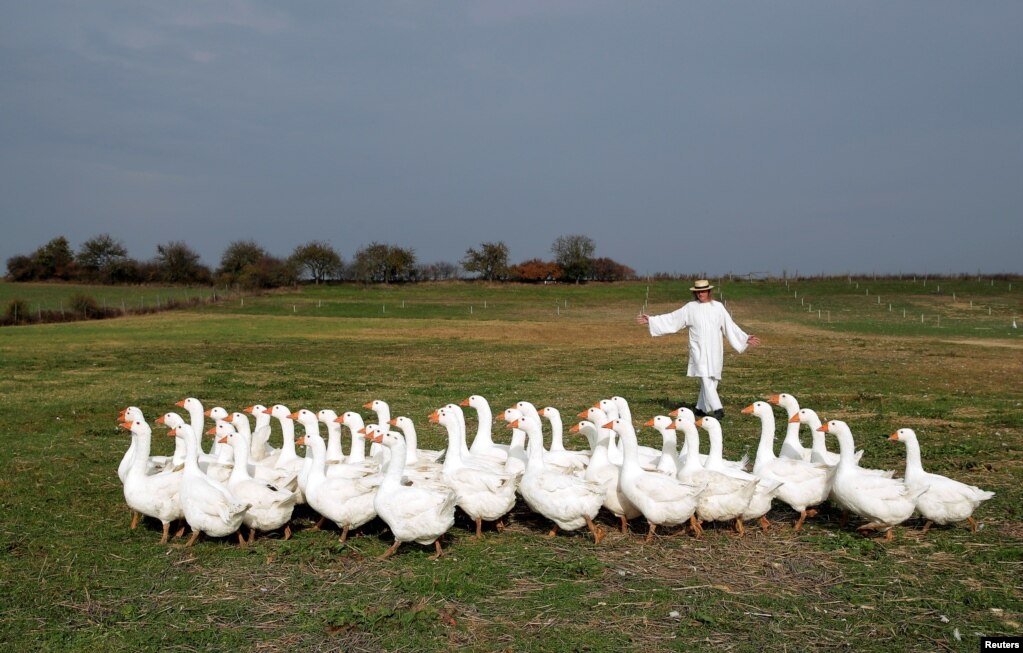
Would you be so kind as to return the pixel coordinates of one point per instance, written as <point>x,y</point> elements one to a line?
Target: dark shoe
<point>719,413</point>
<point>699,413</point>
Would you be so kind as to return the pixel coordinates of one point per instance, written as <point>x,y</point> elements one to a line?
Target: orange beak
<point>608,425</point>
<point>774,399</point>
<point>120,416</point>
<point>222,440</point>
<point>514,424</point>
<point>748,410</point>
<point>212,431</point>
<point>207,412</point>
<point>248,409</point>
<point>180,403</point>
<point>584,414</point>
<point>574,429</point>
<point>300,441</point>
<point>435,417</point>
<point>160,420</point>
<point>377,437</point>
<point>699,422</point>
<point>794,419</point>
<point>649,422</point>
<point>362,430</point>
<point>294,415</point>
<point>229,418</point>
<point>673,413</point>
<point>126,425</point>
<point>368,405</point>
<point>394,421</point>
<point>894,437</point>
<point>464,402</point>
<point>823,428</point>
<point>172,432</point>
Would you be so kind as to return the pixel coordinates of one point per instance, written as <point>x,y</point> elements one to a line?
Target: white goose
<point>348,502</point>
<point>270,507</point>
<point>415,513</point>
<point>262,470</point>
<point>819,452</point>
<point>153,495</point>
<point>883,502</point>
<point>569,501</point>
<point>943,500</point>
<point>557,454</point>
<point>483,444</point>
<point>663,500</point>
<point>690,417</point>
<point>483,495</point>
<point>724,498</point>
<point>613,407</point>
<point>154,463</point>
<point>209,506</point>
<point>803,484</point>
<point>668,462</point>
<point>791,447</point>
<point>603,472</point>
<point>260,448</point>
<point>763,495</point>
<point>422,460</point>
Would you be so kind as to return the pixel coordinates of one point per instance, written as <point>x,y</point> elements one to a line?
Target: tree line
<point>244,263</point>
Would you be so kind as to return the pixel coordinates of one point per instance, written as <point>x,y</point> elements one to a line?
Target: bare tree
<point>575,256</point>
<point>490,261</point>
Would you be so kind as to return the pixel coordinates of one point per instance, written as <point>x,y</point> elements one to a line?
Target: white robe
<point>706,322</point>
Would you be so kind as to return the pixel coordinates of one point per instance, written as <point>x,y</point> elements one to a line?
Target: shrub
<point>17,311</point>
<point>85,305</point>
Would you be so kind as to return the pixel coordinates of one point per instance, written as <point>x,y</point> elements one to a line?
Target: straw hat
<point>701,284</point>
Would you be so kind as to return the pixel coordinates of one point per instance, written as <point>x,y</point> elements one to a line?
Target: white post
<point>294,308</point>
<point>470,309</point>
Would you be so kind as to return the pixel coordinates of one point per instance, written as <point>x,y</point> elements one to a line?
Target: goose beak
<point>248,409</point>
<point>824,428</point>
<point>699,422</point>
<point>394,421</point>
<point>514,424</point>
<point>212,431</point>
<point>300,441</point>
<point>180,403</point>
<point>794,419</point>
<point>294,415</point>
<point>609,425</point>
<point>574,429</point>
<point>464,402</point>
<point>362,431</point>
<point>161,420</point>
<point>584,414</point>
<point>222,440</point>
<point>172,432</point>
<point>340,419</point>
<point>748,410</point>
<point>774,399</point>
<point>368,404</point>
<point>894,437</point>
<point>435,417</point>
<point>649,422</point>
<point>673,413</point>
<point>125,425</point>
<point>207,412</point>
<point>120,416</point>
<point>377,437</point>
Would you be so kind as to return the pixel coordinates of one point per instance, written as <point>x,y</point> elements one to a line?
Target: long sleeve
<point>661,325</point>
<point>737,338</point>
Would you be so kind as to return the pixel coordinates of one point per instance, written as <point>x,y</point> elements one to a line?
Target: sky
<point>681,137</point>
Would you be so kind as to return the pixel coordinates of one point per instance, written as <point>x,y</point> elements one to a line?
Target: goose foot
<point>764,523</point>
<point>739,528</point>
<point>889,535</point>
<point>803,514</point>
<point>437,555</point>
<point>241,539</point>
<point>318,525</point>
<point>134,519</point>
<point>389,552</point>
<point>624,525</point>
<point>695,526</point>
<point>479,529</point>
<point>500,525</point>
<point>181,529</point>
<point>598,532</point>
<point>287,531</point>
<point>166,533</point>
<point>650,534</point>
<point>344,535</point>
<point>927,527</point>
<point>973,524</point>
<point>553,531</point>
<point>191,540</point>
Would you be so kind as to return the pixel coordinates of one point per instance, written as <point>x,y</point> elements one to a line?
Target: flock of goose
<point>243,481</point>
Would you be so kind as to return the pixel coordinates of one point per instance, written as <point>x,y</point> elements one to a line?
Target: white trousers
<point>708,400</point>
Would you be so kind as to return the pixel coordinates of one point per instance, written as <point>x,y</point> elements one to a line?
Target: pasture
<point>73,576</point>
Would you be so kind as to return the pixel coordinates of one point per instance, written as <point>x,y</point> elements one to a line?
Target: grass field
<point>73,576</point>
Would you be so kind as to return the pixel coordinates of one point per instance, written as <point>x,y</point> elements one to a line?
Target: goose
<point>335,467</point>
<point>348,502</point>
<point>763,495</point>
<point>382,410</point>
<point>152,495</point>
<point>668,462</point>
<point>791,447</point>
<point>270,507</point>
<point>663,500</point>
<point>819,453</point>
<point>883,502</point>
<point>557,453</point>
<point>943,500</point>
<point>260,441</point>
<point>603,472</point>
<point>483,495</point>
<point>424,460</point>
<point>648,456</point>
<point>724,498</point>
<point>803,484</point>
<point>209,507</point>
<point>288,458</point>
<point>220,469</point>
<point>173,420</point>
<point>262,470</point>
<point>196,419</point>
<point>328,418</point>
<point>419,513</point>
<point>569,501</point>
<point>689,416</point>
<point>154,464</point>
<point>483,444</point>
<point>517,457</point>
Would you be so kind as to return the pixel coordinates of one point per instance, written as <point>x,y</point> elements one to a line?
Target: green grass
<point>74,577</point>
<point>57,296</point>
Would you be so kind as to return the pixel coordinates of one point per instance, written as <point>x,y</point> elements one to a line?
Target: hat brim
<point>694,289</point>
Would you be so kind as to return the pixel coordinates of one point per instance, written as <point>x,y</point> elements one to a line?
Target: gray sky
<point>682,137</point>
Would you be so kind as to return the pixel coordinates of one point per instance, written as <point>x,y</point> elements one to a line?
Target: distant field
<point>55,296</point>
<point>73,576</point>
